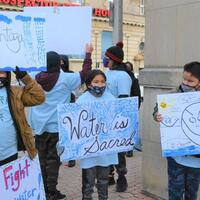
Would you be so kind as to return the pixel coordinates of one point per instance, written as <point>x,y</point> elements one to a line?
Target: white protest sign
<point>97,128</point>
<point>180,129</point>
<point>68,28</point>
<point>21,179</point>
<point>22,41</point>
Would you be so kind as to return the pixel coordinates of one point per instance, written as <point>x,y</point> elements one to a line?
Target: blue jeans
<point>183,182</point>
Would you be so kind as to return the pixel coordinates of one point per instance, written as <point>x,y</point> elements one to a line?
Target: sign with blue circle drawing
<point>180,128</point>
<point>22,42</point>
<point>22,179</point>
<point>97,128</point>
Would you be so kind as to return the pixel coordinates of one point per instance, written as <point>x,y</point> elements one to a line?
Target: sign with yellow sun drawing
<point>180,128</point>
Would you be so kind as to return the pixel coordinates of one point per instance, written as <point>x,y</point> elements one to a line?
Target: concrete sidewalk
<point>70,182</point>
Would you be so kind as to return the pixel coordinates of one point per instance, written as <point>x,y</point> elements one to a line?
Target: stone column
<point>172,38</point>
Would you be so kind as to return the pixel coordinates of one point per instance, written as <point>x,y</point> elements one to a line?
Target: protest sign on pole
<point>97,128</point>
<point>180,128</point>
<point>68,28</point>
<point>22,42</point>
<point>22,179</point>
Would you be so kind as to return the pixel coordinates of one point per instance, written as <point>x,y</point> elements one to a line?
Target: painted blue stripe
<point>7,68</point>
<point>39,19</point>
<point>23,18</point>
<point>5,19</point>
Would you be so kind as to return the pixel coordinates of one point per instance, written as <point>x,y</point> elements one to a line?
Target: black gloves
<point>19,74</point>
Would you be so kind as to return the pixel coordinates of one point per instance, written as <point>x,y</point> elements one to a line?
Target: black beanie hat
<point>53,62</point>
<point>116,53</point>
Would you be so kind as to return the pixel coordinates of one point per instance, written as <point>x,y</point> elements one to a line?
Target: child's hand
<point>158,117</point>
<point>88,48</point>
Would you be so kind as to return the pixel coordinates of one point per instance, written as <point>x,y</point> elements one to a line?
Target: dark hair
<point>129,64</point>
<point>91,75</point>
<point>65,59</point>
<point>53,62</point>
<point>193,68</point>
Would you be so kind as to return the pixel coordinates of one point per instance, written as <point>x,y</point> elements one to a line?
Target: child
<point>15,132</point>
<point>96,167</point>
<point>58,86</point>
<point>184,171</point>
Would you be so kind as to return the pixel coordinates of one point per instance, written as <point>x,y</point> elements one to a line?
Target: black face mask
<point>187,88</point>
<point>3,81</point>
<point>96,90</point>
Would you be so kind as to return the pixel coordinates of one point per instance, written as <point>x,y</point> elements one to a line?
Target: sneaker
<point>121,184</point>
<point>71,163</point>
<point>111,180</point>
<point>59,195</point>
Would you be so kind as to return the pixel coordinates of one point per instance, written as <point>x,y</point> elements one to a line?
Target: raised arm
<point>87,63</point>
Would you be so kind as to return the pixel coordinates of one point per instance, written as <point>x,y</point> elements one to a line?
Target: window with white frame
<point>141,7</point>
<point>106,41</point>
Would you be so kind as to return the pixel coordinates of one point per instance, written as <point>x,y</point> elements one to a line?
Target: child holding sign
<point>96,167</point>
<point>184,171</point>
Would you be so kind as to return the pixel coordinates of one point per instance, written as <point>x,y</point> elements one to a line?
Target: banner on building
<point>97,128</point>
<point>180,129</point>
<point>68,28</point>
<point>21,179</point>
<point>22,41</point>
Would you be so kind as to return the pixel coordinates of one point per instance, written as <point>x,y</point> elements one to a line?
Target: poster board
<point>22,179</point>
<point>22,41</point>
<point>180,129</point>
<point>97,128</point>
<point>68,28</point>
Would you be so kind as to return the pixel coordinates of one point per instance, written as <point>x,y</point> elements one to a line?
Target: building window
<point>141,7</point>
<point>106,41</point>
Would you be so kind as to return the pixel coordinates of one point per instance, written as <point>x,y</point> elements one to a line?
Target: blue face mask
<point>96,90</point>
<point>105,62</point>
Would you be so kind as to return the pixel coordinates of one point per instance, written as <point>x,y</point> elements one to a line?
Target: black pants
<point>9,159</point>
<point>49,159</point>
<point>88,182</point>
<point>121,167</point>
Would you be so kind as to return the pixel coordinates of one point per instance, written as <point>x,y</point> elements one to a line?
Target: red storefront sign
<point>97,12</point>
<point>31,3</point>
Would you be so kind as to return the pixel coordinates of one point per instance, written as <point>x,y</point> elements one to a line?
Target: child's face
<point>98,81</point>
<point>190,80</point>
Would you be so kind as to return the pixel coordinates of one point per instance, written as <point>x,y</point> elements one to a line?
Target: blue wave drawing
<point>191,150</point>
<point>7,68</point>
<point>39,19</point>
<point>5,19</point>
<point>23,18</point>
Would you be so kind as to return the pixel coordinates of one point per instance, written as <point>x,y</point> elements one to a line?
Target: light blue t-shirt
<point>189,161</point>
<point>43,118</point>
<point>104,160</point>
<point>8,141</point>
<point>118,82</point>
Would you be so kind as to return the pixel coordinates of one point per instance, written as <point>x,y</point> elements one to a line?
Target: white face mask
<point>187,88</point>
